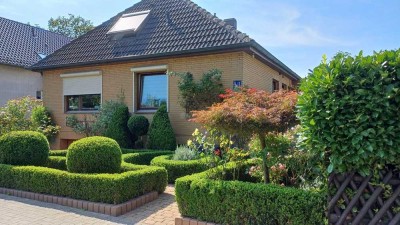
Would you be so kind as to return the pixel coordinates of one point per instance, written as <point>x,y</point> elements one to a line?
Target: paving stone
<point>14,210</point>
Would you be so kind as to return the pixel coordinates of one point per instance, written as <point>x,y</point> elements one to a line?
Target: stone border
<point>108,209</point>
<point>188,221</point>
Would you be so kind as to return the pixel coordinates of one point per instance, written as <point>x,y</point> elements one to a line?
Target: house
<point>21,46</point>
<point>134,51</point>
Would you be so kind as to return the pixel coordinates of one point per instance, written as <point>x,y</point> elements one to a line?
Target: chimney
<point>232,22</point>
<point>33,32</point>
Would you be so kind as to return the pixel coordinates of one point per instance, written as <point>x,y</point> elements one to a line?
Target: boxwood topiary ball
<point>24,148</point>
<point>94,155</point>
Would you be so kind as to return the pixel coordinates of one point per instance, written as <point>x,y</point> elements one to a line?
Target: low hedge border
<point>237,202</point>
<point>133,181</point>
<point>143,157</point>
<point>58,152</point>
<point>177,168</point>
<point>57,162</point>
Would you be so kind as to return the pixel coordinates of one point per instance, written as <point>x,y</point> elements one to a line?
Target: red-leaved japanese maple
<point>251,112</point>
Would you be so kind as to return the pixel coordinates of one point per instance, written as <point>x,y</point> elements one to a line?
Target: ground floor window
<point>152,91</point>
<point>284,86</point>
<point>83,102</point>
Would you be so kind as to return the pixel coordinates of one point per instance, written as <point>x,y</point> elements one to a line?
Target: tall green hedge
<point>161,135</point>
<point>118,127</point>
<point>349,111</point>
<point>244,203</point>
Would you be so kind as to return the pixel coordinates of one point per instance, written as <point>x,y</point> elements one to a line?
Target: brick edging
<point>188,221</point>
<point>108,209</point>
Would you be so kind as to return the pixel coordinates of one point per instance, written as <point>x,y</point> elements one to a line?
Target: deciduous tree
<point>251,112</point>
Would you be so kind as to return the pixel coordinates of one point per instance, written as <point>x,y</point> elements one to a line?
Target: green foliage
<point>94,155</point>
<point>58,153</point>
<point>161,135</point>
<point>143,157</point>
<point>244,203</point>
<point>86,126</point>
<point>185,153</point>
<point>138,125</point>
<point>71,26</point>
<point>349,111</point>
<point>133,181</point>
<point>177,168</point>
<point>117,128</point>
<point>57,162</point>
<point>199,95</point>
<point>24,148</point>
<point>41,118</point>
<point>27,114</point>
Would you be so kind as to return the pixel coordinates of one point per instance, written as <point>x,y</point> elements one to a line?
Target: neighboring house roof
<point>174,27</point>
<point>23,45</point>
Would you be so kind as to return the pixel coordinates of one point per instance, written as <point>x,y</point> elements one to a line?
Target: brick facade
<point>118,76</point>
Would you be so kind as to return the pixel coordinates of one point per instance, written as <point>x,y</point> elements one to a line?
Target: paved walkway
<point>19,211</point>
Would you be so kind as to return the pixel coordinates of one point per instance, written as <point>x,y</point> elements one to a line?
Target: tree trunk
<point>264,157</point>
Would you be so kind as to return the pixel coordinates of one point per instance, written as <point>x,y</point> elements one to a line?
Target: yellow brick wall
<point>118,76</point>
<point>259,75</point>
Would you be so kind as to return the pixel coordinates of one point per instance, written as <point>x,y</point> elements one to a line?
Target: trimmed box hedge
<point>237,202</point>
<point>57,162</point>
<point>177,168</point>
<point>58,152</point>
<point>143,157</point>
<point>133,181</point>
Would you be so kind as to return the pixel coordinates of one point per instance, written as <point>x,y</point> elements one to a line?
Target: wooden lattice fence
<point>354,199</point>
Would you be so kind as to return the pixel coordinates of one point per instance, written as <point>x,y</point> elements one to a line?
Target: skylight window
<point>129,22</point>
<point>41,55</point>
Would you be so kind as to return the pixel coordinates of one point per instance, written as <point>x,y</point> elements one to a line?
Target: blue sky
<point>298,32</point>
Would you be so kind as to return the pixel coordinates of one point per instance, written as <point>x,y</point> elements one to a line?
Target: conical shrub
<point>161,135</point>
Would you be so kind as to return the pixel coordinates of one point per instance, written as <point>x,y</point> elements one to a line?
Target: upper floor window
<point>275,85</point>
<point>152,91</point>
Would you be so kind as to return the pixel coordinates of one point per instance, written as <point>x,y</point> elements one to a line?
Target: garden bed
<point>133,181</point>
<point>177,168</point>
<point>108,209</point>
<point>237,202</point>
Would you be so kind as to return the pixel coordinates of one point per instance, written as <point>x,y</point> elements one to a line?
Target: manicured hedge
<point>58,153</point>
<point>94,155</point>
<point>236,202</point>
<point>143,158</point>
<point>349,112</point>
<point>24,148</point>
<point>133,181</point>
<point>57,162</point>
<point>176,168</point>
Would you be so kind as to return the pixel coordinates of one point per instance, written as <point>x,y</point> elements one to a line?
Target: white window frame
<point>81,74</point>
<point>146,69</point>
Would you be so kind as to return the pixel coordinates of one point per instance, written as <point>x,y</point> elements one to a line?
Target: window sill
<point>82,112</point>
<point>146,111</point>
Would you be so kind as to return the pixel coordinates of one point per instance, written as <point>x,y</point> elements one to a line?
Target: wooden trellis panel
<point>355,200</point>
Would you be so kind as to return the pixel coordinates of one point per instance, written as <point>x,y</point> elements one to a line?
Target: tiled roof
<point>173,27</point>
<point>21,44</point>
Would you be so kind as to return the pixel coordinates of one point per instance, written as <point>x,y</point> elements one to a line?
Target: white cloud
<point>275,24</point>
<point>283,25</point>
